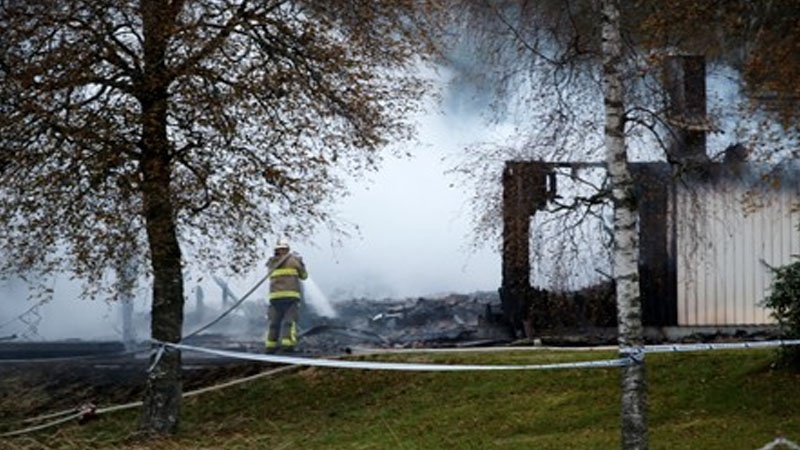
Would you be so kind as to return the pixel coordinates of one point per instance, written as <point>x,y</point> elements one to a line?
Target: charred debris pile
<point>452,320</point>
<point>448,320</point>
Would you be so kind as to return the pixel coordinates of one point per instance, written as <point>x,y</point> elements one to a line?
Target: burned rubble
<point>447,321</point>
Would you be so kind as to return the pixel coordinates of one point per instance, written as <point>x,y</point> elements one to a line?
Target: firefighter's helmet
<point>282,245</point>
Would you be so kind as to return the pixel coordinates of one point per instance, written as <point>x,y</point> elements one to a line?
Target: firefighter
<point>285,292</point>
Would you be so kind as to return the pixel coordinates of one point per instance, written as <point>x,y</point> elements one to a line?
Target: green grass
<point>711,400</point>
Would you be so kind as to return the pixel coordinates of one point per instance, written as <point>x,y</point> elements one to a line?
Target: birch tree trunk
<point>626,241</point>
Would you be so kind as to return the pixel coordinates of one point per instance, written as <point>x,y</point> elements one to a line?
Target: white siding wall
<point>721,243</point>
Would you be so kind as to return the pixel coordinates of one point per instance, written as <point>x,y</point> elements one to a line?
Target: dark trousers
<point>282,315</point>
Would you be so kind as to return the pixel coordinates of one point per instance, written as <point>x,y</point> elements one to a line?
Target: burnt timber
<point>529,185</point>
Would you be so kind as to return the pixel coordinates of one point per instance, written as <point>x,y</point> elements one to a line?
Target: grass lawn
<point>705,400</point>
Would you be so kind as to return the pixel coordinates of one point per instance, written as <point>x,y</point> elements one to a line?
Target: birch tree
<point>191,131</point>
<point>626,237</point>
<point>545,61</point>
<point>560,44</point>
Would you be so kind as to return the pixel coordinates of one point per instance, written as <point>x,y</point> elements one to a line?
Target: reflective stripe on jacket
<point>284,281</point>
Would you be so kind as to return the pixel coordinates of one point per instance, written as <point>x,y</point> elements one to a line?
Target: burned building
<point>708,229</point>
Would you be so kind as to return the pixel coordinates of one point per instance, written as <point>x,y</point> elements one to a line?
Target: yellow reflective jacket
<point>284,281</point>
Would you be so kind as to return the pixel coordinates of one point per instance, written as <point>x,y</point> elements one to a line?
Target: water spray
<point>317,299</point>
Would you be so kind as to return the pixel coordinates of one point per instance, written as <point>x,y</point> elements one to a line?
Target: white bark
<point>626,242</point>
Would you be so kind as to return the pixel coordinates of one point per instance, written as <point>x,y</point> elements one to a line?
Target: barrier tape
<point>780,442</point>
<point>634,355</point>
<point>664,348</point>
<point>157,358</point>
<point>372,365</point>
